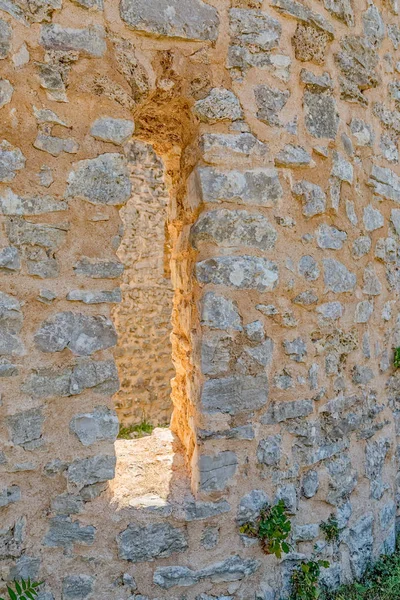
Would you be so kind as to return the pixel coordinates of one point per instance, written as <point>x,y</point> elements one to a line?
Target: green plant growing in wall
<point>330,529</point>
<point>23,590</point>
<point>396,359</point>
<point>305,580</point>
<point>272,528</point>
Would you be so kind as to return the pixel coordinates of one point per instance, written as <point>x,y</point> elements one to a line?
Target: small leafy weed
<point>330,529</point>
<point>23,590</point>
<point>272,528</point>
<point>305,580</point>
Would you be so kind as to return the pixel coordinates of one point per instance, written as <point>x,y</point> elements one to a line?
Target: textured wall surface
<point>278,124</point>
<point>143,318</point>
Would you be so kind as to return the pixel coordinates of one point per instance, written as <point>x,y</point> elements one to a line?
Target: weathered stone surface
<point>385,183</point>
<point>342,10</point>
<point>95,297</point>
<point>9,495</point>
<point>219,105</point>
<point>101,180</point>
<point>255,29</point>
<point>321,115</point>
<point>116,131</point>
<point>310,484</point>
<point>216,472</point>
<point>26,567</point>
<point>232,569</point>
<point>312,197</point>
<point>243,432</point>
<point>67,504</point>
<point>270,101</point>
<point>220,148</point>
<point>235,395</point>
<point>282,411</point>
<point>7,368</point>
<point>372,284</point>
<point>6,92</point>
<point>310,44</point>
<point>98,268</point>
<point>364,311</point>
<point>269,451</point>
<point>77,587</point>
<point>90,41</point>
<point>316,83</point>
<point>12,204</point>
<point>141,544</point>
<point>5,39</point>
<point>82,334</point>
<point>55,145</point>
<point>11,319</point>
<point>197,511</point>
<point>65,533</point>
<point>293,156</point>
<point>342,168</point>
<point>303,14</point>
<point>375,455</point>
<point>11,160</point>
<point>262,353</point>
<point>87,471</point>
<point>257,187</point>
<point>337,277</point>
<point>216,352</point>
<point>328,237</point>
<point>101,424</point>
<point>12,538</point>
<point>362,131</point>
<point>26,427</point>
<point>360,542</point>
<point>308,268</point>
<point>241,272</point>
<point>250,507</point>
<point>94,4</point>
<point>233,228</point>
<point>296,349</point>
<point>190,19</point>
<point>219,312</point>
<point>357,61</point>
<point>331,310</point>
<point>361,246</point>
<point>9,259</point>
<point>373,218</point>
<point>388,145</point>
<point>22,232</point>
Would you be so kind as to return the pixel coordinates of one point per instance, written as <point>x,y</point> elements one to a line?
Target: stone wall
<point>278,124</point>
<point>143,318</point>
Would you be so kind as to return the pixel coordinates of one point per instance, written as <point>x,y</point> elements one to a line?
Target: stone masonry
<point>276,233</point>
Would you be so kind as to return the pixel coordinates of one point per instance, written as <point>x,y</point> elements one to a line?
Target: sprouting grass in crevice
<point>135,431</point>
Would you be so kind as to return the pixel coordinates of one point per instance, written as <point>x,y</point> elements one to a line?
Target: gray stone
<point>256,187</point>
<point>8,369</point>
<point>362,375</point>
<point>9,259</point>
<point>216,352</point>
<point>210,538</point>
<point>270,101</point>
<point>219,105</point>
<point>308,268</point>
<point>67,504</point>
<point>187,19</point>
<point>45,176</point>
<point>98,268</point>
<point>373,218</point>
<point>233,228</point>
<point>11,160</point>
<point>375,455</point>
<point>90,41</point>
<point>45,115</point>
<point>234,395</point>
<point>321,115</point>
<point>198,511</point>
<point>11,204</point>
<point>90,4</point>
<point>361,246</point>
<point>395,219</point>
<point>374,26</point>
<point>101,424</point>
<point>233,568</point>
<point>82,334</point>
<point>357,61</point>
<point>341,9</point>
<point>65,533</point>
<point>296,349</point>
<point>389,148</point>
<point>254,29</point>
<point>360,542</point>
<point>11,319</point>
<point>51,80</point>
<point>77,587</point>
<point>351,212</point>
<point>26,567</point>
<point>21,232</point>
<point>305,533</point>
<point>364,311</point>
<point>387,515</point>
<point>95,297</point>
<point>255,331</point>
<point>362,131</point>
<point>342,168</point>
<point>12,538</point>
<point>269,451</point>
<point>101,180</point>
<point>55,145</point>
<point>142,544</point>
<point>337,277</point>
<point>310,484</point>
<point>223,148</point>
<point>303,14</point>
<point>219,312</point>
<point>116,131</point>
<point>282,411</point>
<point>5,39</point>
<point>240,272</point>
<point>316,83</point>
<point>250,507</point>
<point>312,196</point>
<point>243,432</point>
<point>288,494</point>
<point>328,237</point>
<point>87,471</point>
<point>372,284</point>
<point>293,156</point>
<point>306,298</point>
<point>9,495</point>
<point>394,34</point>
<point>216,472</point>
<point>26,428</point>
<point>6,92</point>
